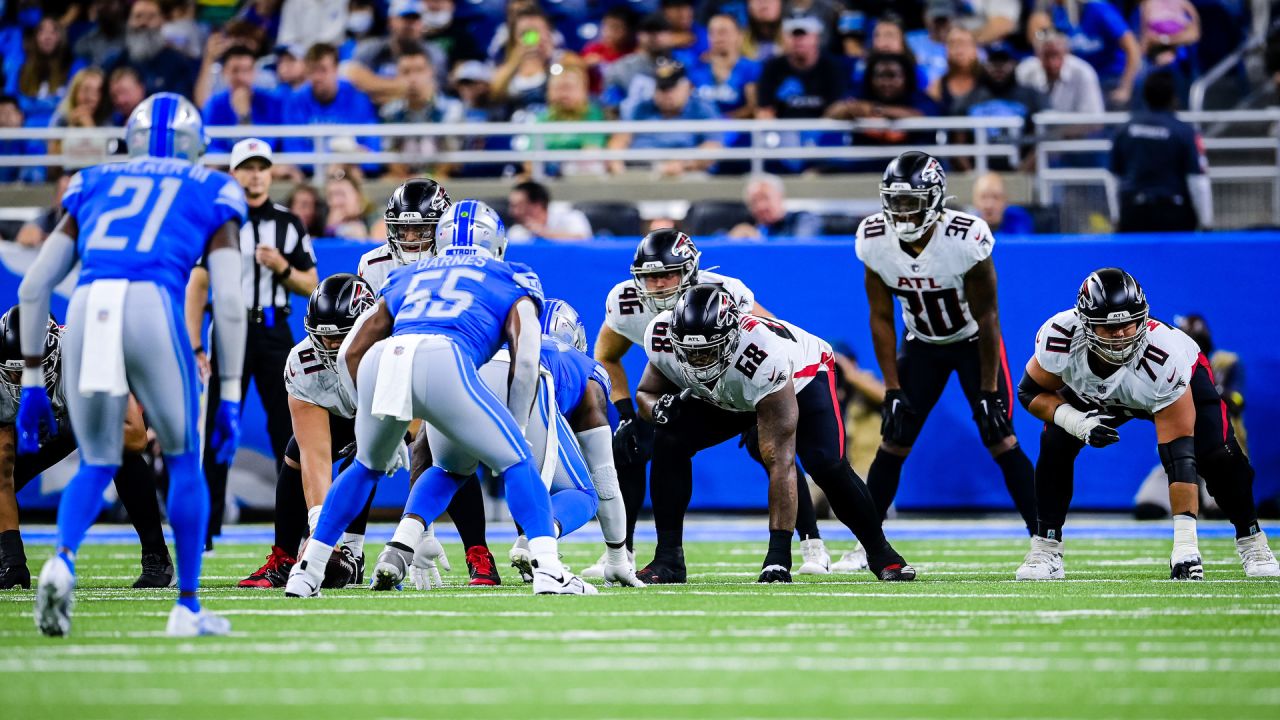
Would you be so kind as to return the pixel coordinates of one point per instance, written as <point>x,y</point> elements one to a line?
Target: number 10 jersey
<point>929,286</point>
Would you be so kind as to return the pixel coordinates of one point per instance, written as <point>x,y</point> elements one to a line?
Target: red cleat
<point>484,571</point>
<point>274,573</point>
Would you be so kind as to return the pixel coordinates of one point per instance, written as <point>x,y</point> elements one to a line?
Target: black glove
<point>348,450</point>
<point>898,420</point>
<point>669,407</point>
<point>993,418</point>
<point>633,440</point>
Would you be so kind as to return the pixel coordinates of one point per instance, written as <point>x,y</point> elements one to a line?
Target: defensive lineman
<point>1104,362</point>
<point>137,228</point>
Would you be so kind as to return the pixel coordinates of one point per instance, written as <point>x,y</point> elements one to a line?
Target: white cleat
<point>817,561</point>
<point>521,559</point>
<point>1255,555</point>
<point>184,623</point>
<point>1043,562</point>
<point>854,561</point>
<point>1185,564</point>
<point>301,584</point>
<point>393,565</point>
<point>566,583</point>
<point>54,597</point>
<point>596,569</point>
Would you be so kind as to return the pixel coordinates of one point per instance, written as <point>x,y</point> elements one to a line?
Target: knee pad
<point>1178,456</point>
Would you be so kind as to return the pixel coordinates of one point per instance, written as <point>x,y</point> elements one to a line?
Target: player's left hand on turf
<point>428,558</point>
<point>621,574</point>
<point>993,418</point>
<point>35,419</point>
<point>669,406</point>
<point>226,431</point>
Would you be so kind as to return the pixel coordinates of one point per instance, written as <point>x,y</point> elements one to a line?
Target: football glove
<point>401,460</point>
<point>35,419</point>
<point>633,440</point>
<point>226,432</point>
<point>898,420</point>
<point>428,558</point>
<point>993,418</point>
<point>1088,427</point>
<point>669,407</point>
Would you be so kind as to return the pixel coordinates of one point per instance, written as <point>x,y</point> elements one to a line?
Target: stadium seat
<point>840,224</point>
<point>714,217</point>
<point>1045,219</point>
<point>613,219</point>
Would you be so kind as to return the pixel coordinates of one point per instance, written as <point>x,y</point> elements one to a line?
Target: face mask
<point>359,23</point>
<point>143,44</point>
<point>438,19</point>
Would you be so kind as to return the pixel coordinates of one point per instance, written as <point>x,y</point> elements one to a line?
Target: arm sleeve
<point>524,380</point>
<point>229,319</point>
<point>57,257</point>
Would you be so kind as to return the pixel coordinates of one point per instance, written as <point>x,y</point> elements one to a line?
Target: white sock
<point>546,554</point>
<point>1184,535</point>
<point>315,558</point>
<point>355,542</point>
<point>313,517</point>
<point>408,532</point>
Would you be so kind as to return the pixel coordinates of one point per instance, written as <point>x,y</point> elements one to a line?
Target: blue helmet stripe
<point>466,223</point>
<point>163,111</point>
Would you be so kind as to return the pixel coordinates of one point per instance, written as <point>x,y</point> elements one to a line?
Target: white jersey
<point>626,313</point>
<point>771,353</point>
<point>930,286</point>
<point>307,379</point>
<point>376,266</point>
<point>1150,382</point>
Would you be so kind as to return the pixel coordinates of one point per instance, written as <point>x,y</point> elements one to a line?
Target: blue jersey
<point>464,297</point>
<point>571,370</point>
<point>149,218</point>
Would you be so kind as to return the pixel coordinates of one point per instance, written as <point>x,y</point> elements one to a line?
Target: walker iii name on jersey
<point>627,315</point>
<point>929,286</point>
<point>1152,380</point>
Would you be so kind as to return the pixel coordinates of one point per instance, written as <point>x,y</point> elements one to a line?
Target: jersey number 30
<point>448,301</point>
<point>139,191</point>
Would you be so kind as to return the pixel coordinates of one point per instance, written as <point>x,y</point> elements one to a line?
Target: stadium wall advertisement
<point>1230,278</point>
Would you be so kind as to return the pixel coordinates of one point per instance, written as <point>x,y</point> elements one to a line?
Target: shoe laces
<point>1257,553</point>
<point>277,560</point>
<point>480,560</point>
<point>1040,556</point>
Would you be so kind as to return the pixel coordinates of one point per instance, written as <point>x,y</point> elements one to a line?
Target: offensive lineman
<point>938,264</point>
<point>714,372</point>
<point>137,228</point>
<point>1105,362</point>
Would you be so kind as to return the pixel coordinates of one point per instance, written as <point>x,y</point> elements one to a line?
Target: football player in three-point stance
<point>715,372</point>
<point>937,262</point>
<point>1105,362</point>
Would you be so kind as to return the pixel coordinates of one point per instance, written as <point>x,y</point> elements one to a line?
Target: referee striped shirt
<point>272,224</point>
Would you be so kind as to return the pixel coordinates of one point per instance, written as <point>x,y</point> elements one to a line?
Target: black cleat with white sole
<point>1189,568</point>
<point>15,576</point>
<point>774,574</point>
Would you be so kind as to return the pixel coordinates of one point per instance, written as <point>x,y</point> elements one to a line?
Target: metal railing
<point>1200,88</point>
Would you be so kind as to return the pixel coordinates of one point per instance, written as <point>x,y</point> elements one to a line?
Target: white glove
<point>428,558</point>
<point>1088,426</point>
<point>621,574</point>
<point>401,460</point>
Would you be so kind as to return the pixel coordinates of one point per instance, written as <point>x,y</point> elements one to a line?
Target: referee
<point>278,261</point>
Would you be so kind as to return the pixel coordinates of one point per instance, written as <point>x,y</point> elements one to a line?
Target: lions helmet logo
<point>933,172</point>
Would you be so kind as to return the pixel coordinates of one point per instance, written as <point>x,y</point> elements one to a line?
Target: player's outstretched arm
<point>315,448</point>
<point>653,385</point>
<point>57,257</point>
<point>524,333</point>
<point>373,325</point>
<point>980,290</point>
<point>609,349</point>
<point>777,416</point>
<point>883,333</point>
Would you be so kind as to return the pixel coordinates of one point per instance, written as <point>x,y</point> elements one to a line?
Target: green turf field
<point>964,641</point>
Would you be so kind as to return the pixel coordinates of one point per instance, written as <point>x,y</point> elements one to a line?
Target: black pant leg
<point>1227,472</point>
<point>466,509</point>
<point>136,485</point>
<point>1055,479</point>
<point>51,452</point>
<point>632,480</point>
<point>270,355</point>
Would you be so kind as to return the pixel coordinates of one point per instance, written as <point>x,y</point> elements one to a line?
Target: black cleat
<point>667,568</point>
<point>15,576</point>
<point>359,569</point>
<point>774,574</point>
<point>897,572</point>
<point>157,571</point>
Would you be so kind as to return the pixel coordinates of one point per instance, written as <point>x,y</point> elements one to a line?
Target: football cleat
<point>300,583</point>
<point>274,573</point>
<point>666,569</point>
<point>1186,566</point>
<point>393,565</point>
<point>851,562</point>
<point>54,597</point>
<point>184,623</point>
<point>157,571</point>
<point>341,570</point>
<point>566,583</point>
<point>1043,561</point>
<point>521,559</point>
<point>775,574</point>
<point>1256,556</point>
<point>15,576</point>
<point>817,561</point>
<point>482,567</point>
<point>896,572</point>
<point>359,560</point>
<point>596,569</point>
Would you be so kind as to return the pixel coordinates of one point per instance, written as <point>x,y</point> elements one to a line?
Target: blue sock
<point>189,516</point>
<point>527,497</point>
<point>345,500</point>
<point>190,602</point>
<point>81,502</point>
<point>69,560</point>
<point>432,493</point>
<point>573,509</point>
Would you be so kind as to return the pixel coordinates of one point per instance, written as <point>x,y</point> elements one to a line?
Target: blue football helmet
<point>468,227</point>
<point>166,125</point>
<point>561,321</point>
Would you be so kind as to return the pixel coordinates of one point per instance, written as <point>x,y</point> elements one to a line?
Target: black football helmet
<point>664,251</point>
<point>412,213</point>
<point>11,362</point>
<point>705,332</point>
<point>1110,297</point>
<point>332,311</point>
<point>912,193</point>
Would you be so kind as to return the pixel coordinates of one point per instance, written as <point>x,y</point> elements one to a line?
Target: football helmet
<point>660,252</point>
<point>11,362</point>
<point>413,211</point>
<point>705,332</point>
<point>1111,297</point>
<point>469,227</point>
<point>913,191</point>
<point>332,311</point>
<point>166,125</point>
<point>561,321</point>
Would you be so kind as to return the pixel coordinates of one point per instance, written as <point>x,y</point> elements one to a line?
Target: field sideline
<point>1115,640</point>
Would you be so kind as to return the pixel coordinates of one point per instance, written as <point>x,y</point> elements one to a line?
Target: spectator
<point>11,116</point>
<point>617,37</point>
<point>472,82</point>
<point>991,20</point>
<point>362,25</point>
<point>313,22</point>
<point>889,38</point>
<point>504,42</point>
<point>534,219</point>
<point>629,81</point>
<point>42,78</point>
<point>889,91</point>
<point>688,41</point>
<point>521,80</point>
<point>1000,95</point>
<point>181,31</point>
<point>827,12</point>
<point>1100,36</point>
<point>964,70</point>
<point>929,46</point>
<point>84,106</point>
<point>305,202</point>
<point>1071,83</point>
<point>161,68</point>
<point>291,68</point>
<point>327,99</point>
<point>126,90</point>
<point>1159,168</point>
<point>241,103</point>
<point>764,28</point>
<point>423,103</point>
<point>264,15</point>
<point>804,81</point>
<point>722,75</point>
<point>766,198</point>
<point>373,66</point>
<point>1168,23</point>
<point>106,39</point>
<point>448,41</point>
<point>238,33</point>
<point>34,233</point>
<point>672,99</point>
<point>569,100</point>
<point>350,212</point>
<point>993,206</point>
<point>852,31</point>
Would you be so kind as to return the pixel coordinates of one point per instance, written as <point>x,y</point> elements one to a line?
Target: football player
<point>1107,361</point>
<point>713,373</point>
<point>137,228</point>
<point>415,354</point>
<point>666,264</point>
<point>135,483</point>
<point>937,262</point>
